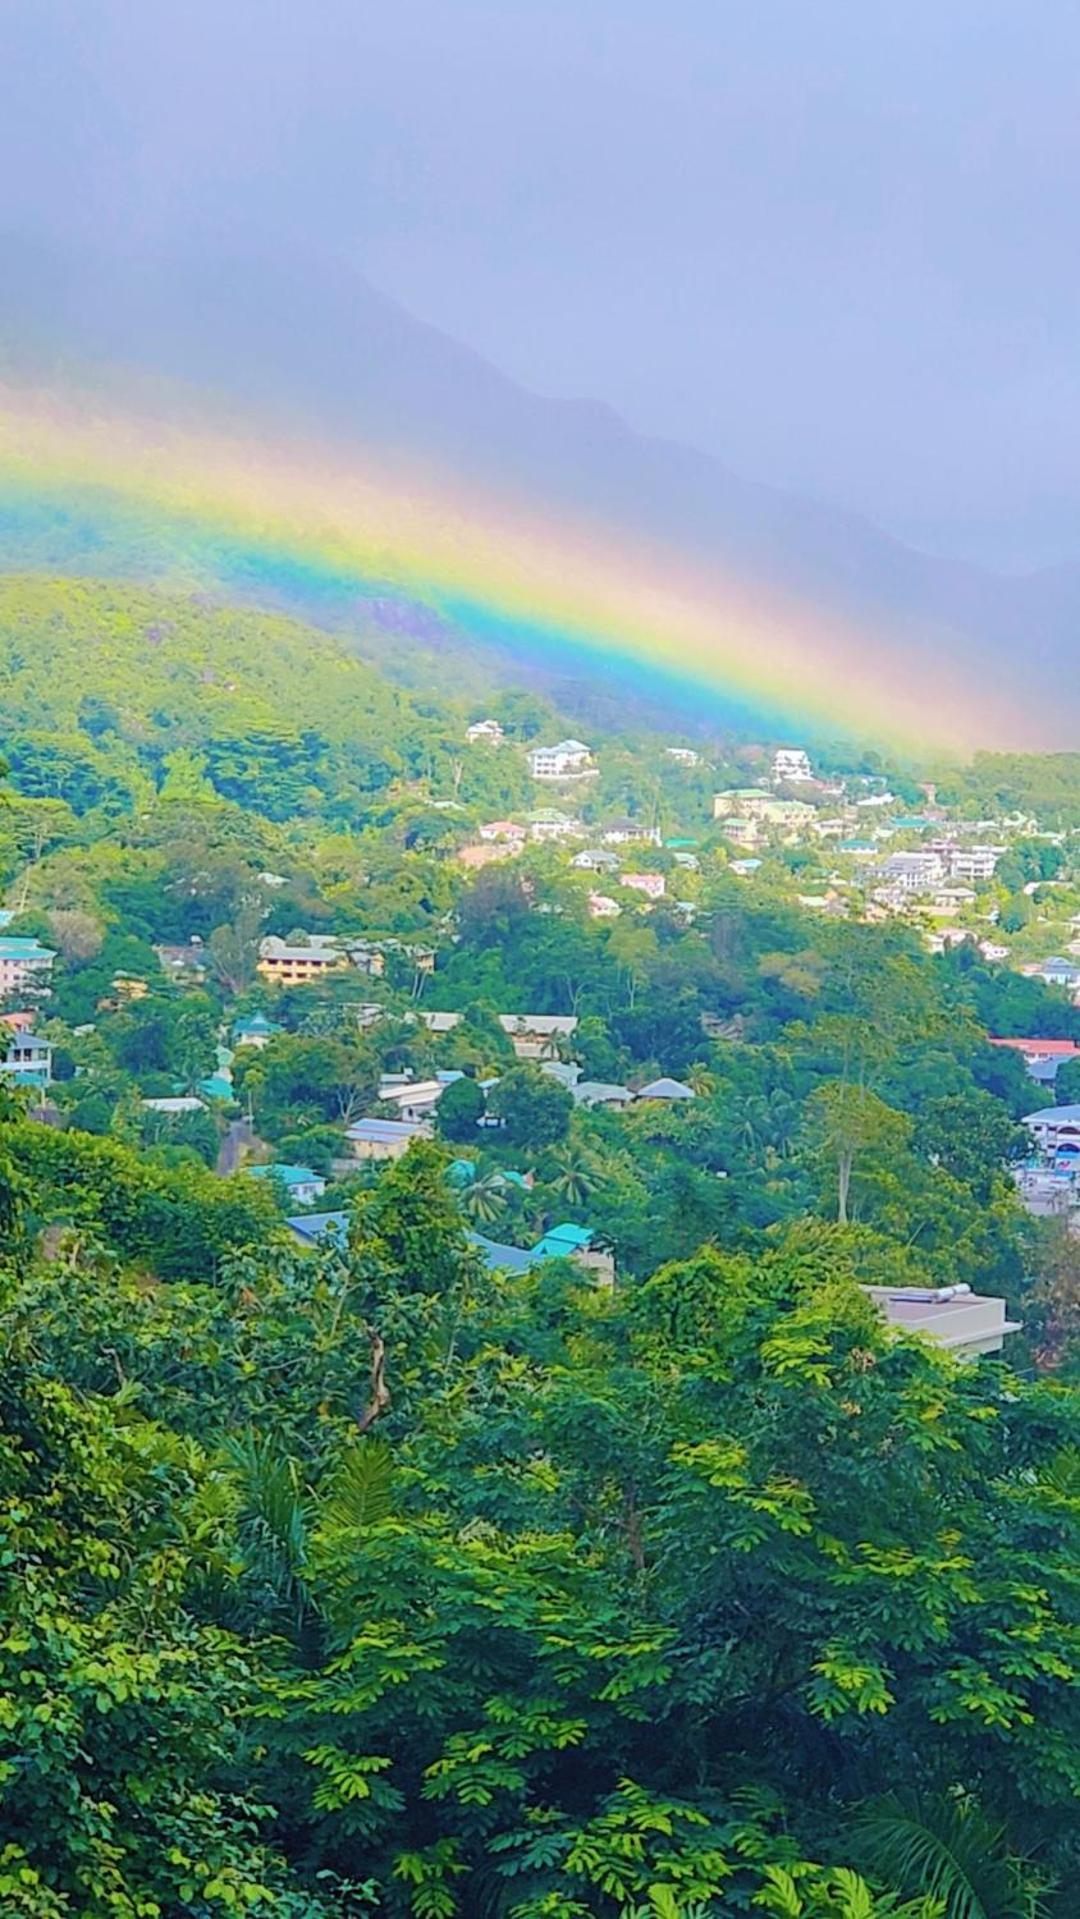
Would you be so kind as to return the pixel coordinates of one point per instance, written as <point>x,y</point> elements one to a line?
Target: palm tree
<point>484,1198</point>
<point>273,1516</point>
<point>947,1850</point>
<point>576,1175</point>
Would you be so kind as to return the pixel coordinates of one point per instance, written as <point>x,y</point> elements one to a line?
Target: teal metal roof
<point>256,1023</point>
<point>24,949</point>
<point>288,1175</point>
<point>560,1241</point>
<point>216,1086</point>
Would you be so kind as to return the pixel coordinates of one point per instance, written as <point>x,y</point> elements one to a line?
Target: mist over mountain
<point>315,347</point>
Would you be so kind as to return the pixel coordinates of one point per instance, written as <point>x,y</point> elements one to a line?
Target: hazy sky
<point>834,241</point>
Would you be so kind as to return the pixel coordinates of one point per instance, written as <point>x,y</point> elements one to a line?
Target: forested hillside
<point>455,1458</point>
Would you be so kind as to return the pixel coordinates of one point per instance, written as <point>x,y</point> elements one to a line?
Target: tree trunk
<point>843,1186</point>
<point>379,1398</point>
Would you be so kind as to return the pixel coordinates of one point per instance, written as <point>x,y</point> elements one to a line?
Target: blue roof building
<point>216,1086</point>
<point>27,1060</point>
<point>567,1241</point>
<point>666,1088</point>
<point>319,1229</point>
<point>302,1185</point>
<point>255,1030</point>
<point>500,1258</point>
<point>562,1242</point>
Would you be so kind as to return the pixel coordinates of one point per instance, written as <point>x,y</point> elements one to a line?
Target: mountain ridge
<point>324,347</point>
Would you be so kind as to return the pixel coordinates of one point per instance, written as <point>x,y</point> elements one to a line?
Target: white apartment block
<point>913,873</point>
<point>973,863</point>
<point>791,763</point>
<point>568,760</point>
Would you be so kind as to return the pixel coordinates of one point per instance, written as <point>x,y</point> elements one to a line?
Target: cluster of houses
<point>936,872</point>
<point>538,1039</point>
<point>943,864</point>
<point>583,1245</point>
<point>748,815</point>
<point>571,759</point>
<point>964,1322</point>
<point>312,956</point>
<point>505,839</point>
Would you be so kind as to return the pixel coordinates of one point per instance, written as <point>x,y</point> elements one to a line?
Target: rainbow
<point>92,485</point>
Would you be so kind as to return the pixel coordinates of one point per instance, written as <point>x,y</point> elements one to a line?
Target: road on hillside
<point>238,1140</point>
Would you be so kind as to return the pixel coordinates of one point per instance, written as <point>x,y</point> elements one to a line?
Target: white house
<point>598,1092</point>
<point>302,1186</point>
<point>536,1035</point>
<point>415,1099</point>
<point>487,731</point>
<point>27,1061</point>
<point>596,859</point>
<point>625,831</point>
<point>1056,1131</point>
<point>568,760</point>
<point>791,765</point>
<point>549,824</point>
<point>1059,972</point>
<point>256,1030</point>
<point>951,899</point>
<point>440,1022</point>
<point>684,755</point>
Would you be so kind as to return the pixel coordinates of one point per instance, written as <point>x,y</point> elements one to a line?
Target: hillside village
<point>315,1035</point>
